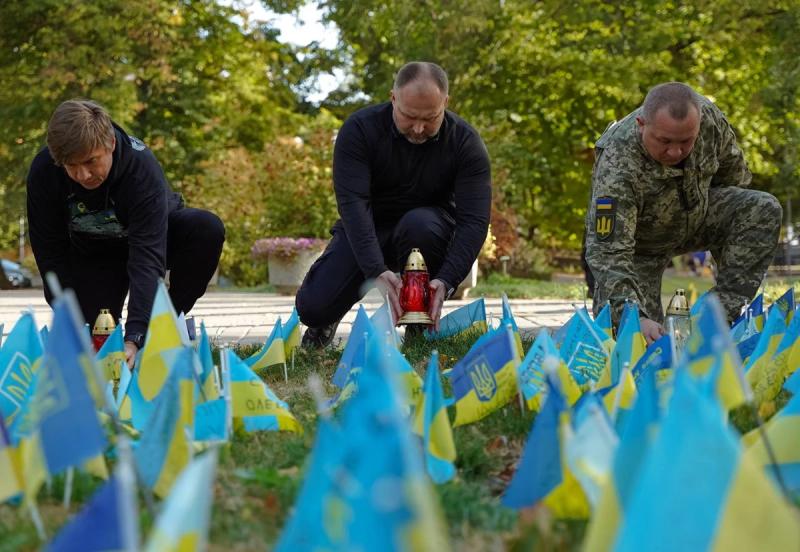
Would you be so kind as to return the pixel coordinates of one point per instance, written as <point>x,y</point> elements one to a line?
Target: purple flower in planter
<point>285,247</point>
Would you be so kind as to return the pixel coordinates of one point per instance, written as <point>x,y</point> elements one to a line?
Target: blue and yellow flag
<point>134,407</point>
<point>784,305</point>
<point>697,491</point>
<point>381,320</point>
<point>657,357</point>
<point>255,403</point>
<point>486,378</point>
<point>10,472</point>
<point>759,368</point>
<point>738,329</point>
<point>782,433</point>
<point>508,320</point>
<point>628,308</point>
<point>352,356</point>
<point>207,379</point>
<point>272,353</point>
<point>539,470</point>
<point>792,384</point>
<point>211,420</point>
<point>320,516</point>
<point>471,317</point>
<point>350,387</point>
<point>291,333</point>
<point>561,333</point>
<point>433,425</point>
<point>543,474</point>
<point>163,334</point>
<point>63,417</point>
<point>343,502</point>
<point>184,519</point>
<point>767,381</point>
<point>111,355</point>
<point>109,521</point>
<point>409,383</point>
<point>790,346</point>
<point>746,346</point>
<point>756,315</point>
<point>630,347</point>
<point>590,446</point>
<point>603,320</point>
<point>700,354</point>
<point>638,434</point>
<point>125,378</point>
<point>20,357</point>
<point>531,372</point>
<point>694,306</point>
<point>767,343</point>
<point>585,348</point>
<point>164,449</point>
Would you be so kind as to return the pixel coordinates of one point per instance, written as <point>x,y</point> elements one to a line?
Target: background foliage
<point>224,104</point>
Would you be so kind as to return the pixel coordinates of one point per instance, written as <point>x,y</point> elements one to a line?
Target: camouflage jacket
<point>642,207</point>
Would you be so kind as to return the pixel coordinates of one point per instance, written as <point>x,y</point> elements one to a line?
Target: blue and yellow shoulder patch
<point>605,217</point>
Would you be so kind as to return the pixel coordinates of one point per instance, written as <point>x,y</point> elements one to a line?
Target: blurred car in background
<point>787,254</point>
<point>18,276</point>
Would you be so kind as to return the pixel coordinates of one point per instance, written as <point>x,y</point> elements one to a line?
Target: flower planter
<point>287,273</point>
<point>288,260</point>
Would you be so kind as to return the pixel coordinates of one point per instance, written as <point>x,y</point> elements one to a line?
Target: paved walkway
<point>249,317</point>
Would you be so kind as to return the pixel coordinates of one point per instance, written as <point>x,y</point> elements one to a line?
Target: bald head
<point>677,98</point>
<point>419,99</point>
<point>423,74</point>
<point>669,122</point>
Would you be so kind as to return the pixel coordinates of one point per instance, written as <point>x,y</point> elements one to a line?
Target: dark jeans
<point>194,244</point>
<point>334,283</point>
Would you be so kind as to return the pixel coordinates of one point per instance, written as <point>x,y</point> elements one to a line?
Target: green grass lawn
<point>495,284</point>
<point>259,474</point>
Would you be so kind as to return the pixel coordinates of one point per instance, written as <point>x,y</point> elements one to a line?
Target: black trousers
<point>194,244</point>
<point>334,282</point>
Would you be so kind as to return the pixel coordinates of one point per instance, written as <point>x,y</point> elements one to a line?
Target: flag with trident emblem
<point>485,379</point>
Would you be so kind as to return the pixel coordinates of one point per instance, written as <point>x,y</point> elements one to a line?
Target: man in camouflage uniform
<point>670,179</point>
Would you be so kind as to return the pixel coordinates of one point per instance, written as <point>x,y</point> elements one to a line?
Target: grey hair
<point>677,97</point>
<point>422,70</point>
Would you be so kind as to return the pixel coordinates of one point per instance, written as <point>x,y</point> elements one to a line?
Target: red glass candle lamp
<point>415,296</point>
<point>103,327</point>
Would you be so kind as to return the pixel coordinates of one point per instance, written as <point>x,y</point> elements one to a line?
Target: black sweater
<point>137,192</point>
<point>379,176</point>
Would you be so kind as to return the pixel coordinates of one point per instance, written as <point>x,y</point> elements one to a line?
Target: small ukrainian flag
<point>604,203</point>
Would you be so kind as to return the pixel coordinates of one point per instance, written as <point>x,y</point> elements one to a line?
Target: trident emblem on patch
<point>605,215</point>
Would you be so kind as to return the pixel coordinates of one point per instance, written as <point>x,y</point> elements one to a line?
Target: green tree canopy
<point>542,80</point>
<point>187,77</point>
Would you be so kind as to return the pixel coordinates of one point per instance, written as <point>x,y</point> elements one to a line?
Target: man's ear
<point>114,141</point>
<point>446,100</point>
<point>640,122</point>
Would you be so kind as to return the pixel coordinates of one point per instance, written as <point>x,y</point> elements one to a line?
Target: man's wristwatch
<point>136,338</point>
<point>449,293</point>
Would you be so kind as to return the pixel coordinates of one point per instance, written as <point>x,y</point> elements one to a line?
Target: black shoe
<point>415,330</point>
<point>319,338</point>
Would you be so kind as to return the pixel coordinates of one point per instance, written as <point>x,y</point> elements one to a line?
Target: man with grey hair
<point>670,179</point>
<point>407,174</point>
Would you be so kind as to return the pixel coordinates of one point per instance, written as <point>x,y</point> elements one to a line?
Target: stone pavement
<point>241,317</point>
